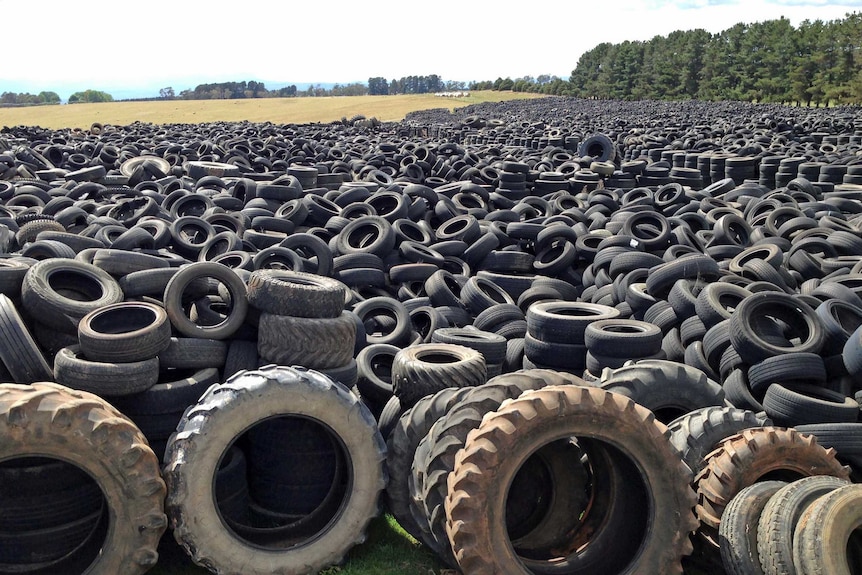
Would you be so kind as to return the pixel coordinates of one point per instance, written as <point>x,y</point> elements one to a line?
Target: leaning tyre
<point>826,537</point>
<point>421,370</point>
<point>62,291</point>
<point>660,517</point>
<point>78,427</point>
<point>743,459</point>
<point>220,418</point>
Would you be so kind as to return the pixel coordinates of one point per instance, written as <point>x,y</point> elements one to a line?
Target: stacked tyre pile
<point>491,246</point>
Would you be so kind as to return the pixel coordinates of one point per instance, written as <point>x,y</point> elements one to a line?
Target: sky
<point>132,49</point>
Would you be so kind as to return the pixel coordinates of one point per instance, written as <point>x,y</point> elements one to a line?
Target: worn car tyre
<point>61,291</point>
<point>78,427</point>
<point>775,528</point>
<point>222,415</point>
<point>183,279</point>
<point>124,332</point>
<point>106,379</point>
<point>737,539</point>
<point>18,351</point>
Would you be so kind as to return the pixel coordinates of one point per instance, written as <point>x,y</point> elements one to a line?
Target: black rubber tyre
<point>183,279</point>
<point>737,540</point>
<point>698,267</point>
<point>844,438</point>
<point>786,368</point>
<point>296,294</point>
<point>775,528</point>
<point>484,470</point>
<point>316,343</point>
<point>79,428</point>
<point>667,388</point>
<point>565,322</point>
<point>716,302</point>
<point>73,369</point>
<point>175,391</point>
<point>490,345</point>
<point>424,369</point>
<point>751,338</point>
<point>599,147</point>
<point>241,354</point>
<point>61,291</point>
<point>826,539</point>
<point>412,427</point>
<point>124,332</point>
<point>222,415</point>
<point>386,320</point>
<point>18,352</point>
<point>566,357</point>
<point>389,416</point>
<point>623,338</point>
<point>193,353</point>
<point>698,433</point>
<point>799,404</point>
<point>374,364</point>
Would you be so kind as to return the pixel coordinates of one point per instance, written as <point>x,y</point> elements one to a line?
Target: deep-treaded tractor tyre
<point>612,423</point>
<point>50,420</point>
<point>225,413</point>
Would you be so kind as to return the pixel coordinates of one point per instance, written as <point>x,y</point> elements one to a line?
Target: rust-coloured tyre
<point>744,458</point>
<point>655,491</point>
<point>50,420</point>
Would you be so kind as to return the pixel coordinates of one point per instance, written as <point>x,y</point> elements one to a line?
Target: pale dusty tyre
<point>223,414</point>
<point>737,537</point>
<point>827,538</point>
<point>779,518</point>
<point>50,420</point>
<point>484,469</point>
<point>744,458</point>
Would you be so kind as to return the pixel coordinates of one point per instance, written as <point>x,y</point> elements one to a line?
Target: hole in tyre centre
<point>282,482</point>
<point>208,309</point>
<point>436,357</point>
<point>54,517</point>
<point>75,286</point>
<point>578,505</point>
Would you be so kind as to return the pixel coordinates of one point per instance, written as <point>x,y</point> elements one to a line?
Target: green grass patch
<point>389,550</point>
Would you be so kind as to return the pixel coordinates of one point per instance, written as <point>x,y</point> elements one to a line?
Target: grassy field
<point>276,110</point>
<point>389,550</point>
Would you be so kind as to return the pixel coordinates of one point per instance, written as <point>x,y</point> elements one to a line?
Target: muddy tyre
<point>226,412</point>
<point>494,452</point>
<point>78,427</point>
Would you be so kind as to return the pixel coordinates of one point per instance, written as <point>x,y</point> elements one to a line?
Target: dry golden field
<point>276,110</point>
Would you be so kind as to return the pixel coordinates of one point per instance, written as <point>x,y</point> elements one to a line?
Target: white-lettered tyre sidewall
<point>198,510</point>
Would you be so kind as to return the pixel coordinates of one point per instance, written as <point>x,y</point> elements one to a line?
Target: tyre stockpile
<point>455,287</point>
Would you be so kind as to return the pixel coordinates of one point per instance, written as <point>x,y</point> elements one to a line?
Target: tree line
<point>815,63</point>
